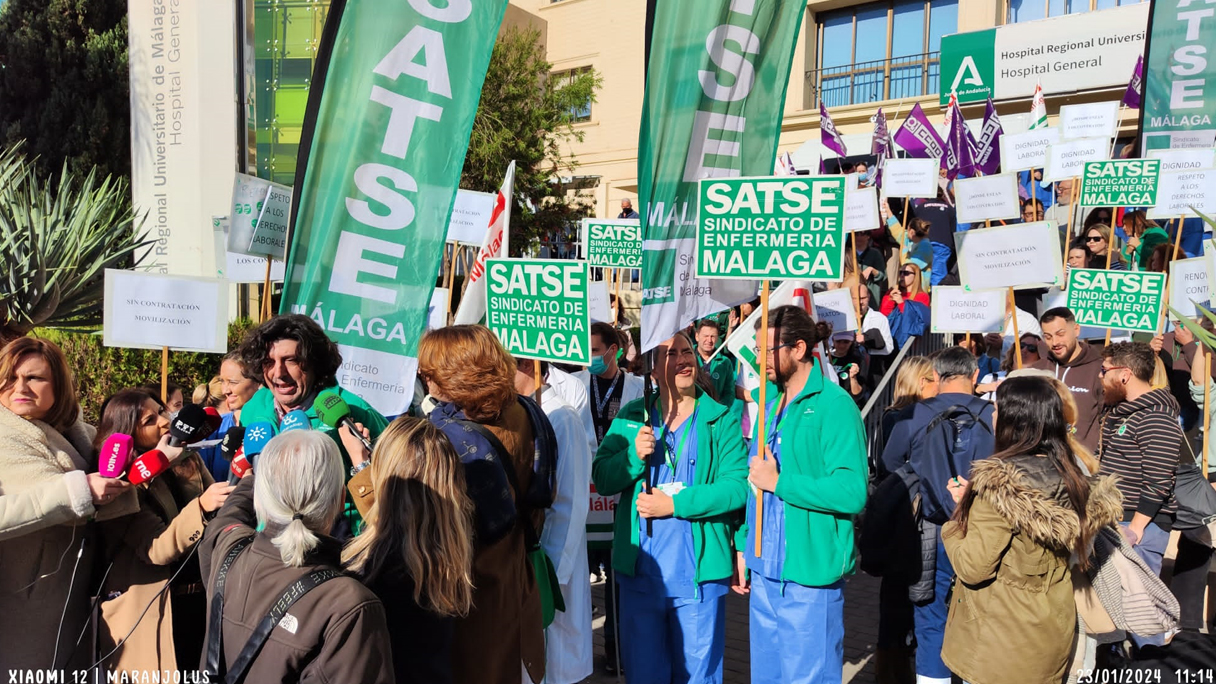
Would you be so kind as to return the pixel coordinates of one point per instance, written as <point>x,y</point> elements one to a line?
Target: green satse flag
<point>705,115</point>
<point>1179,77</point>
<point>391,108</point>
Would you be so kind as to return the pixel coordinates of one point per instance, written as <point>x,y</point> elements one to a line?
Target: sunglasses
<point>1094,238</point>
<point>1030,349</point>
<point>907,273</point>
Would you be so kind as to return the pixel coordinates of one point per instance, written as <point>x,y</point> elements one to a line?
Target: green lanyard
<point>673,461</point>
<point>785,413</point>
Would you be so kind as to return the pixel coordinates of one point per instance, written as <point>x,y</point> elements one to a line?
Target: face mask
<point>598,365</point>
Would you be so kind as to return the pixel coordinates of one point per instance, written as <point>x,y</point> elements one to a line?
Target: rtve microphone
<point>190,425</point>
<point>334,411</point>
<point>147,466</point>
<point>238,467</point>
<point>112,460</point>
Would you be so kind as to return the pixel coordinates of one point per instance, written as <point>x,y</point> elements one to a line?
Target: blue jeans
<point>1151,550</point>
<point>672,641</point>
<point>796,632</point>
<point>930,620</point>
<point>941,261</point>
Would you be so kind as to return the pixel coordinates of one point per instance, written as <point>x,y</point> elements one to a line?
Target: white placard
<point>1067,159</point>
<point>1179,191</point>
<point>1185,160</point>
<point>270,231</point>
<point>1027,150</point>
<point>1189,284</point>
<point>150,311</point>
<point>1091,120</point>
<point>835,307</point>
<point>436,313</point>
<point>599,307</point>
<point>1021,256</point>
<point>959,310</point>
<point>248,192</point>
<point>245,268</point>
<point>987,198</point>
<point>861,210</point>
<point>470,217</point>
<point>910,177</point>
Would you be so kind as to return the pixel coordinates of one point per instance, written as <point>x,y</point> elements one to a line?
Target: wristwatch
<point>355,469</point>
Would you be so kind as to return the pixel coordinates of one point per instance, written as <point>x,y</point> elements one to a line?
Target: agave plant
<point>57,237</point>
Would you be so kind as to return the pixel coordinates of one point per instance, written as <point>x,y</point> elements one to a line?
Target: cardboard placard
<point>861,210</point>
<point>775,228</point>
<point>1067,159</point>
<point>959,310</point>
<point>248,193</point>
<point>1189,283</point>
<point>538,308</point>
<point>599,304</point>
<point>613,243</point>
<point>911,178</point>
<point>239,267</point>
<point>987,198</point>
<point>1185,160</point>
<point>1021,256</point>
<point>1119,300</point>
<point>1091,120</point>
<point>835,307</point>
<point>436,314</point>
<point>470,219</point>
<point>150,311</point>
<point>270,231</point>
<point>1027,150</point>
<point>1120,183</point>
<point>1181,193</point>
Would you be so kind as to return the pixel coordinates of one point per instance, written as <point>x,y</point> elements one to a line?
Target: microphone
<point>256,437</point>
<point>147,466</point>
<point>214,419</point>
<point>189,426</point>
<point>334,411</point>
<point>231,443</point>
<point>238,466</point>
<point>112,460</point>
<point>295,420</point>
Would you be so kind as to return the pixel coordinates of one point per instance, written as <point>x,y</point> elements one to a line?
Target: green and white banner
<point>772,228</point>
<point>715,90</point>
<point>613,243</point>
<point>1179,77</point>
<point>395,89</point>
<point>538,308</point>
<point>1121,300</point>
<point>1120,183</point>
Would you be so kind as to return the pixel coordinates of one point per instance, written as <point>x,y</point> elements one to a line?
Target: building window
<point>881,51</point>
<point>1029,10</point>
<point>580,113</point>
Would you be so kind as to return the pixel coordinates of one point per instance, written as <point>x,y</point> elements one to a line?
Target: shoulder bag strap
<point>216,632</point>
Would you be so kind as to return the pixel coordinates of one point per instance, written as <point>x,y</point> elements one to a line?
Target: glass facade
<point>881,51</point>
<point>1029,10</point>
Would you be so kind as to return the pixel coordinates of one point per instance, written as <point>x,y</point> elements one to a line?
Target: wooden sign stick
<point>1207,408</point>
<point>164,375</point>
<point>1017,338</point>
<point>1072,213</point>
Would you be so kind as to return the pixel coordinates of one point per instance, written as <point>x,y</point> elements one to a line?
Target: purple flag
<point>828,135</point>
<point>918,137</point>
<point>960,146</point>
<point>881,146</point>
<point>1131,96</point>
<point>988,147</point>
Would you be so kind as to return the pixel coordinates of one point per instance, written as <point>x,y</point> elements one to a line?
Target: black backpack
<point>889,543</point>
<point>949,443</point>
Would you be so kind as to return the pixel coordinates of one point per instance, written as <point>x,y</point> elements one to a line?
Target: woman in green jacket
<point>672,546</point>
<point>1143,236</point>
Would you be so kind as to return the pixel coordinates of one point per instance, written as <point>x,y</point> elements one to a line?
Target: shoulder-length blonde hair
<point>422,519</point>
<point>468,365</point>
<point>907,381</point>
<point>65,410</point>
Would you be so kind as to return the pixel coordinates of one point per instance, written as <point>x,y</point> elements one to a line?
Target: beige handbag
<point>1089,606</point>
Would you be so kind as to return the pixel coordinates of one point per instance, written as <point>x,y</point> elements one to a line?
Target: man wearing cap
<point>852,366</point>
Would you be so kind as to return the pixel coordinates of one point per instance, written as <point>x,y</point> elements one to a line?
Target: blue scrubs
<point>796,632</point>
<point>673,630</point>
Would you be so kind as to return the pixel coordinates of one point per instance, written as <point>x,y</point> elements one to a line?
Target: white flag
<point>1038,109</point>
<point>472,307</point>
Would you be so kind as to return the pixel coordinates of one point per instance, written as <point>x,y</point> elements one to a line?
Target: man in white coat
<point>568,648</point>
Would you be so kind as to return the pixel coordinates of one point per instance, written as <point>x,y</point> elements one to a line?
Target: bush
<point>101,371</point>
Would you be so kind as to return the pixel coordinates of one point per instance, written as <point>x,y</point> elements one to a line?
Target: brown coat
<point>1012,615</point>
<point>334,634</point>
<point>145,549</point>
<point>45,503</point>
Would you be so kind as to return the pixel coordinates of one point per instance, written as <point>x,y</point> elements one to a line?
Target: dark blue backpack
<point>944,450</point>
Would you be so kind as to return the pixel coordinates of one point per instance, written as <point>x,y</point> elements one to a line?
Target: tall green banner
<point>390,111</point>
<point>1179,77</point>
<point>715,89</point>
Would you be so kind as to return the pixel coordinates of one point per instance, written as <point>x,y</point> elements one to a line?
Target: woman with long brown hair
<point>416,552</point>
<point>1143,236</point>
<point>1026,512</point>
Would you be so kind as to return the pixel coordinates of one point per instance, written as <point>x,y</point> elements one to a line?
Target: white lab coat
<point>574,393</point>
<point>568,649</point>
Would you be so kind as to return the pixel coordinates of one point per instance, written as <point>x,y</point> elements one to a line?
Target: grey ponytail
<point>299,487</point>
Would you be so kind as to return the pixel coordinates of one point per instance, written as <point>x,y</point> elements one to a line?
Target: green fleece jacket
<point>712,504</point>
<point>822,484</point>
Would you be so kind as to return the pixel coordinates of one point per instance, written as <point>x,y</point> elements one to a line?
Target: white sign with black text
<point>959,310</point>
<point>861,210</point>
<point>1185,160</point>
<point>1091,120</point>
<point>150,311</point>
<point>1027,150</point>
<point>911,178</point>
<point>1068,159</point>
<point>470,216</point>
<point>1021,256</point>
<point>987,198</point>
<point>835,307</point>
<point>1181,193</point>
<point>1189,284</point>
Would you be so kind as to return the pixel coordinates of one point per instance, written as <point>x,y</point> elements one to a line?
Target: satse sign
<point>1122,300</point>
<point>615,244</point>
<point>538,308</point>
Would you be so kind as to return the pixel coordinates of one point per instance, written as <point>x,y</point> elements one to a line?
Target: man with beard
<point>1141,441</point>
<point>1076,364</point>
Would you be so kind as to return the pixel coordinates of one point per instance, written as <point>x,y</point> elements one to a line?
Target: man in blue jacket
<point>939,442</point>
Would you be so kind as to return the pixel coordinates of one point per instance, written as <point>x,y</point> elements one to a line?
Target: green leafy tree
<point>529,116</point>
<point>63,84</point>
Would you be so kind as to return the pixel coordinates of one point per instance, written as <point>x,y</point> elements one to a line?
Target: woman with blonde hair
<point>914,381</point>
<point>416,552</point>
<point>1098,244</point>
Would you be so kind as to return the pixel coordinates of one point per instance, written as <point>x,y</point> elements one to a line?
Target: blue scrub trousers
<point>670,640</point>
<point>796,632</point>
<point>930,620</point>
<point>941,262</point>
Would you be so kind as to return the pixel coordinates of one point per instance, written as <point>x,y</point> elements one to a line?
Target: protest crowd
<point>1017,451</point>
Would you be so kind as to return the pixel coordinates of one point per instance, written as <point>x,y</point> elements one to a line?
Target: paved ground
<point>860,629</point>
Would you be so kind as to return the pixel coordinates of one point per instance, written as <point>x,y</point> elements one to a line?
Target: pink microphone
<point>112,460</point>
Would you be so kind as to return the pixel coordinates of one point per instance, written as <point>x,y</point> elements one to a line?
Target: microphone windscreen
<point>189,425</point>
<point>295,420</point>
<point>239,465</point>
<point>331,408</point>
<point>232,441</point>
<point>256,437</point>
<point>115,451</point>
<point>214,419</point>
<point>147,466</point>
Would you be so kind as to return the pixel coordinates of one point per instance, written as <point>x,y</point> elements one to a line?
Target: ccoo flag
<point>988,147</point>
<point>715,87</point>
<point>918,137</point>
<point>960,146</point>
<point>1131,96</point>
<point>881,145</point>
<point>391,106</point>
<point>828,135</point>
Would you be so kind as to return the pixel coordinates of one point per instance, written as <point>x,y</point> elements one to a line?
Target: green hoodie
<point>822,485</point>
<point>712,503</point>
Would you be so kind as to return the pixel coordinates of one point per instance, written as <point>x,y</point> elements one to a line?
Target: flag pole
<point>536,375</point>
<point>1207,409</point>
<point>762,360</point>
<point>164,375</point>
<point>450,281</point>
<point>857,303</point>
<point>1017,341</point>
